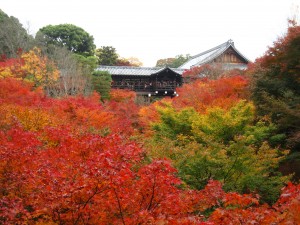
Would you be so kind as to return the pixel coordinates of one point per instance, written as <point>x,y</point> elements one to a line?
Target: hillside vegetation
<point>217,154</point>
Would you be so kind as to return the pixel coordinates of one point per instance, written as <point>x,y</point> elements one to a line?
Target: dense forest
<point>225,151</point>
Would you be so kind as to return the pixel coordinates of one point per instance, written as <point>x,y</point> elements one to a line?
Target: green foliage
<point>102,83</point>
<point>3,16</point>
<point>13,37</point>
<point>173,62</point>
<point>174,124</point>
<point>179,60</point>
<point>107,56</point>
<point>223,125</point>
<point>88,63</point>
<point>226,145</point>
<point>74,38</point>
<point>276,89</point>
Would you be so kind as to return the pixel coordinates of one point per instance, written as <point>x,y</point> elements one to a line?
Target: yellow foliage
<point>267,157</point>
<point>32,119</point>
<point>12,68</point>
<point>31,66</point>
<point>38,68</point>
<point>223,124</point>
<point>5,72</point>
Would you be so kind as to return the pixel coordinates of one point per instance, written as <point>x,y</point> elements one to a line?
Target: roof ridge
<point>129,67</point>
<point>227,44</point>
<point>136,67</point>
<point>209,55</point>
<point>240,53</point>
<point>212,49</point>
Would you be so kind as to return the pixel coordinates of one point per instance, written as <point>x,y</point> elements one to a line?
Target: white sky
<point>156,29</point>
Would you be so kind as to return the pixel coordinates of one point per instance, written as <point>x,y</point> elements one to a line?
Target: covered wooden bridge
<point>150,81</point>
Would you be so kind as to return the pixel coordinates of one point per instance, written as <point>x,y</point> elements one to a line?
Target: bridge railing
<point>149,88</point>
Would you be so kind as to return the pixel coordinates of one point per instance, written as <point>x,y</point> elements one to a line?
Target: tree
<point>173,62</point>
<point>276,84</point>
<point>276,91</point>
<point>102,83</point>
<point>31,66</point>
<point>13,37</point>
<point>70,36</point>
<point>75,73</point>
<point>164,62</point>
<point>123,62</point>
<point>124,110</point>
<point>107,56</point>
<point>88,64</point>
<point>225,145</point>
<point>204,93</point>
<point>213,71</point>
<point>132,61</point>
<point>71,160</point>
<point>72,49</point>
<point>244,209</point>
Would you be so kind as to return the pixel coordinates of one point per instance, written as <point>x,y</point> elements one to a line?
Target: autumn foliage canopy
<point>202,158</point>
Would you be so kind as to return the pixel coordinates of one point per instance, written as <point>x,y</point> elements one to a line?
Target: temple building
<point>150,81</point>
<point>225,55</point>
<point>155,81</point>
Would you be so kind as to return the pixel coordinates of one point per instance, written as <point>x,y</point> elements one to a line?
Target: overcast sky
<point>155,29</point>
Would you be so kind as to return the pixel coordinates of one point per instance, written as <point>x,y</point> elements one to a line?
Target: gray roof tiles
<point>197,60</point>
<point>135,71</point>
<point>209,55</point>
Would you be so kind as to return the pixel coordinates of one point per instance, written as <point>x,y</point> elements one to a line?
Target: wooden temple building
<point>149,81</point>
<point>225,55</point>
<point>154,81</point>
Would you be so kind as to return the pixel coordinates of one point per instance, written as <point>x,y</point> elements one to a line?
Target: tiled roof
<point>209,55</point>
<point>136,71</point>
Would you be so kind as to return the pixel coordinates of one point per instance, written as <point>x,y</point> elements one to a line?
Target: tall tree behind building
<point>107,56</point>
<point>74,38</point>
<point>173,62</point>
<point>13,36</point>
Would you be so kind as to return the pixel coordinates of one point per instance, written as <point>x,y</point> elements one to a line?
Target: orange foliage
<point>58,166</point>
<point>12,68</point>
<point>20,93</point>
<point>289,204</point>
<point>124,111</point>
<point>245,209</point>
<point>148,115</point>
<point>198,72</point>
<point>34,111</point>
<point>119,95</point>
<point>202,94</point>
<point>278,54</point>
<point>31,118</point>
<point>31,66</point>
<point>86,178</point>
<point>234,199</point>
